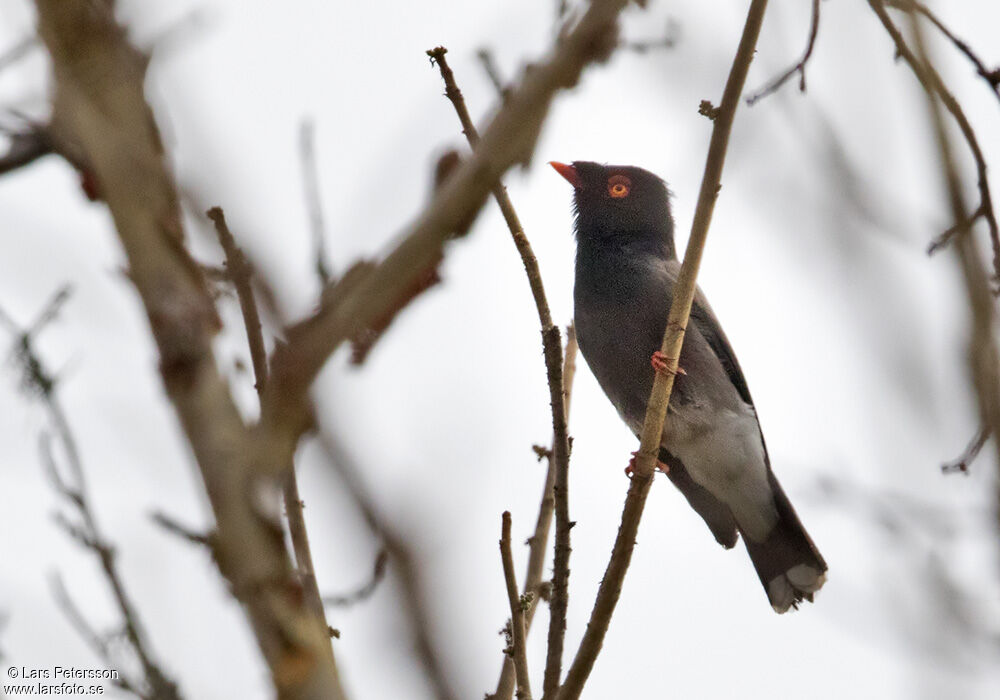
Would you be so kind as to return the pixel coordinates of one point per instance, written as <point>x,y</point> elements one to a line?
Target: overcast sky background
<point>852,340</point>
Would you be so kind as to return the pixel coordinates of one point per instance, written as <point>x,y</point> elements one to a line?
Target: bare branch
<point>961,464</point>
<point>314,205</point>
<point>538,542</point>
<point>489,64</point>
<point>667,41</point>
<point>944,238</point>
<point>656,412</point>
<point>99,105</point>
<point>174,527</point>
<point>517,605</point>
<point>984,359</point>
<point>374,290</point>
<point>404,564</point>
<point>931,82</point>
<point>552,350</point>
<point>364,591</point>
<point>154,684</point>
<point>97,643</point>
<point>799,67</point>
<point>992,77</point>
<point>241,273</point>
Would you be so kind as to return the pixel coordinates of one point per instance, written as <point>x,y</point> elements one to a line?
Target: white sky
<point>851,338</point>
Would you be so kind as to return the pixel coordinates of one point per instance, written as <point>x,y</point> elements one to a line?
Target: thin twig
<point>172,526</point>
<point>241,274</point>
<point>984,358</point>
<point>489,64</point>
<point>667,41</point>
<point>98,643</point>
<point>363,592</point>
<point>403,560</point>
<point>517,605</point>
<point>968,456</point>
<point>932,82</point>
<point>314,204</point>
<point>799,67</point>
<point>944,238</point>
<point>552,349</point>
<point>992,77</point>
<point>539,541</point>
<point>154,684</point>
<point>656,412</point>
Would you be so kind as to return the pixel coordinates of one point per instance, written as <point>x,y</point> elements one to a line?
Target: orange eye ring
<point>619,186</point>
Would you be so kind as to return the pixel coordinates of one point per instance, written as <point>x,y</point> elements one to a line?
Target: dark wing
<point>714,512</point>
<point>708,325</point>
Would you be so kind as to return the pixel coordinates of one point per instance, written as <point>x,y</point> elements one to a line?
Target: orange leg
<point>660,466</point>
<point>659,362</point>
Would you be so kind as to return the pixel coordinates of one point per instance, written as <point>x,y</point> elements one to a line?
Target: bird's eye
<point>619,186</point>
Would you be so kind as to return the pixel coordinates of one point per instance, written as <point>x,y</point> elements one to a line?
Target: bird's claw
<point>659,362</point>
<point>660,466</point>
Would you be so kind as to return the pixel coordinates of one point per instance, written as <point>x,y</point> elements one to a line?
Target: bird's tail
<point>787,562</point>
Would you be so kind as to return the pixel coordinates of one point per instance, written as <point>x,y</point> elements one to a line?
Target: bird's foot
<point>660,466</point>
<point>659,362</point>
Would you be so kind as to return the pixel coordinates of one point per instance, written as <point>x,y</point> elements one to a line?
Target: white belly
<point>723,451</point>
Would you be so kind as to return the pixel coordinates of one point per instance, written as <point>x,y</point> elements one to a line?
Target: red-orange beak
<point>568,172</point>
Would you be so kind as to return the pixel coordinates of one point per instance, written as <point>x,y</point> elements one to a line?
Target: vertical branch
<point>934,85</point>
<point>656,412</point>
<point>241,274</point>
<point>552,348</point>
<point>310,177</point>
<point>983,355</point>
<point>517,605</point>
<point>538,542</point>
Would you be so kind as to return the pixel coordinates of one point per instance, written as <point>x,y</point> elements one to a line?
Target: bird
<point>712,447</point>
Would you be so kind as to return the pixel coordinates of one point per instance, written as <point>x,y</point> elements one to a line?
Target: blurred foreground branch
<point>984,360</point>
<point>373,291</point>
<point>99,105</point>
<point>656,412</point>
<point>934,85</point>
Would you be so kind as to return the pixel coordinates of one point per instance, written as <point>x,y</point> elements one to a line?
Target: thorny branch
<point>656,412</point>
<point>517,606</point>
<point>799,67</point>
<point>932,82</point>
<point>241,274</point>
<point>552,349</point>
<point>153,684</point>
<point>539,540</point>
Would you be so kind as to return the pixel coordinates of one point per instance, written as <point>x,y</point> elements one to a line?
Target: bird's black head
<point>620,200</point>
